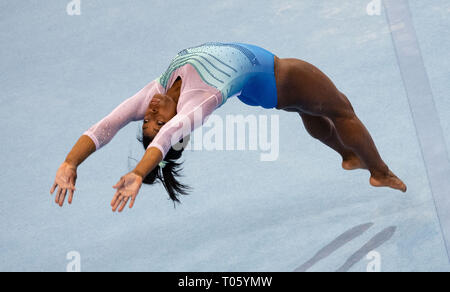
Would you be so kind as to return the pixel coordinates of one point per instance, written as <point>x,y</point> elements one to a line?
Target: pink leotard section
<point>197,102</point>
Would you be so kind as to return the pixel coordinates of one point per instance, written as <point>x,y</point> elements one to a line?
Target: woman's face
<point>161,109</point>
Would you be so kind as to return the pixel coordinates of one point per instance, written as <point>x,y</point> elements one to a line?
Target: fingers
<point>61,194</point>
<point>58,194</point>
<point>124,203</point>
<point>120,201</point>
<point>53,188</point>
<point>71,189</point>
<point>117,203</point>
<point>114,199</point>
<point>73,181</point>
<point>64,181</point>
<point>62,197</point>
<point>70,196</point>
<point>132,201</point>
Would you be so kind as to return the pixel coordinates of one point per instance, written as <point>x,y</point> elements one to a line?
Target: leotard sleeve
<point>132,109</point>
<point>196,106</point>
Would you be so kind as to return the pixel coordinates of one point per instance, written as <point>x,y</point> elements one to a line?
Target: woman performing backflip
<point>198,81</point>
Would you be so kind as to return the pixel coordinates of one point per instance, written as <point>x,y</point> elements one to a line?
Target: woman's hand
<point>66,177</point>
<point>127,188</point>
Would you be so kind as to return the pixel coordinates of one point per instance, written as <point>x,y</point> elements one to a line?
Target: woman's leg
<point>303,87</point>
<point>322,129</point>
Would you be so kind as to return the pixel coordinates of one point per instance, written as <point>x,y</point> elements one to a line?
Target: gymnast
<point>201,79</point>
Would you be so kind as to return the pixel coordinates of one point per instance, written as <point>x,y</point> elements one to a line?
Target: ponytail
<point>167,172</point>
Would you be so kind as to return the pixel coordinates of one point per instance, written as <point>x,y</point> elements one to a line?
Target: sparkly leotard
<point>211,73</point>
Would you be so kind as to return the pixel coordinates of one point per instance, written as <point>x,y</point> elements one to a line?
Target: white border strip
<point>423,109</point>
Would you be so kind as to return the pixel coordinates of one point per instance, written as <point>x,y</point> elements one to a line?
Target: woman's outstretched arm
<point>149,161</point>
<point>66,175</point>
<point>132,109</point>
<point>99,135</point>
<point>129,185</point>
<point>80,151</point>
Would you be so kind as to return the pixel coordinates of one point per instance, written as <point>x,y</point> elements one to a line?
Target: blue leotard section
<point>260,88</point>
<point>236,69</point>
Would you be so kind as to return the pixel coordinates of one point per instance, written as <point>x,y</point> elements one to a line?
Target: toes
<point>390,181</point>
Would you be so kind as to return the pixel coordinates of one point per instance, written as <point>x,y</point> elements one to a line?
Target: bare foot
<point>353,162</point>
<point>390,180</point>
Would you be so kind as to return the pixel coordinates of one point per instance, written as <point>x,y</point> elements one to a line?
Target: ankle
<point>348,156</point>
<point>380,172</point>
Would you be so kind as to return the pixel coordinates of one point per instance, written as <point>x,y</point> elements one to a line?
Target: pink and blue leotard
<point>211,73</point>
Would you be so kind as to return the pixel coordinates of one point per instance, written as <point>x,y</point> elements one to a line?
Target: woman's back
<point>232,68</point>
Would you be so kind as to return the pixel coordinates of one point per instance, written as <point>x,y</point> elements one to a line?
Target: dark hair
<point>168,174</point>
